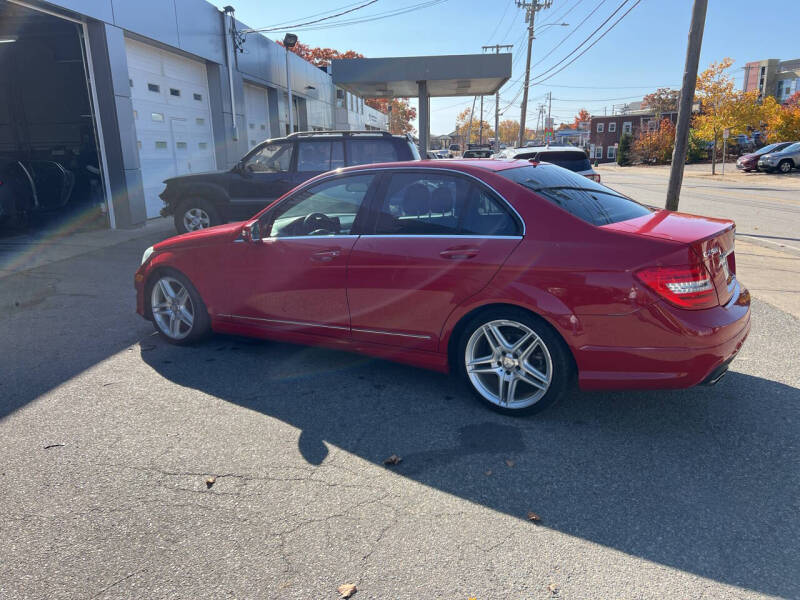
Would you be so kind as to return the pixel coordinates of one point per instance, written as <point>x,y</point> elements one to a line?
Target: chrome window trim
<point>310,237</point>
<point>431,169</point>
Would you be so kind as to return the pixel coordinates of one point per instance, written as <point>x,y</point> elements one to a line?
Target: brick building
<point>606,131</point>
<point>772,77</point>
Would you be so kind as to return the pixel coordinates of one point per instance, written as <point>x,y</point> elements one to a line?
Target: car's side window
<point>441,204</point>
<point>328,208</point>
<point>369,150</point>
<point>319,155</point>
<point>271,158</point>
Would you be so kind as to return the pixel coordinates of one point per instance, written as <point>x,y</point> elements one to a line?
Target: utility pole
<point>549,123</point>
<point>480,126</point>
<point>531,7</point>
<point>497,48</point>
<point>469,128</point>
<point>685,104</point>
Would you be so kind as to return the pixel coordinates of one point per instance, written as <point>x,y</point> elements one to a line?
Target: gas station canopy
<point>423,77</point>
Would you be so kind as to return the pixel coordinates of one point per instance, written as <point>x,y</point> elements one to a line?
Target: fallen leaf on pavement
<point>532,516</point>
<point>54,446</point>
<point>210,481</point>
<point>393,460</point>
<point>553,588</point>
<point>347,589</point>
<point>509,462</point>
<point>488,472</point>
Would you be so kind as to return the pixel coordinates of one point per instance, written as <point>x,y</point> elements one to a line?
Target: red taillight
<point>687,287</point>
<point>594,177</point>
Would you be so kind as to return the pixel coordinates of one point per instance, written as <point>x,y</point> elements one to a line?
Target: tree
<point>402,112</point>
<point>509,131</point>
<point>724,107</point>
<point>583,116</point>
<point>624,150</point>
<point>784,124</point>
<point>466,125</point>
<point>661,101</point>
<point>655,145</point>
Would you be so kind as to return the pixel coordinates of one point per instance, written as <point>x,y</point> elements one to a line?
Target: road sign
<point>726,133</point>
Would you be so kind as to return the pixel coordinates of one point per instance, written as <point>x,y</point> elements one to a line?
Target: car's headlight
<point>147,254</point>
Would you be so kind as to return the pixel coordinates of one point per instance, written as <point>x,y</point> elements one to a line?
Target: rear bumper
<point>711,339</point>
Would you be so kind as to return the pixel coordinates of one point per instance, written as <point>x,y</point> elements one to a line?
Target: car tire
<point>194,214</point>
<point>785,166</point>
<point>500,369</point>
<point>178,312</point>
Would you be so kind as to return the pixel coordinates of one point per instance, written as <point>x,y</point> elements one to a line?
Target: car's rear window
<point>574,161</point>
<point>578,195</point>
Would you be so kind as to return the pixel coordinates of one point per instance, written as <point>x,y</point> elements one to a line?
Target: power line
<point>566,37</point>
<point>324,12</point>
<point>505,12</point>
<point>298,25</point>
<point>589,37</point>
<point>614,24</point>
<point>374,17</point>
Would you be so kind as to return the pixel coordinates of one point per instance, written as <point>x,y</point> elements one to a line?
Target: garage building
<point>101,100</point>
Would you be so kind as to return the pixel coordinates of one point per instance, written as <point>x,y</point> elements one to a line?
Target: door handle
<point>326,255</point>
<point>459,252</point>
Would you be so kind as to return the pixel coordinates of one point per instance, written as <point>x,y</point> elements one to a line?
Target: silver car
<point>783,161</point>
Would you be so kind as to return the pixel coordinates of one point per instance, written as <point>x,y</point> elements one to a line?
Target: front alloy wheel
<point>785,166</point>
<point>172,308</point>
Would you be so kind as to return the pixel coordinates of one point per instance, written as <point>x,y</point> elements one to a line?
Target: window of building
<point>340,98</point>
<point>158,117</point>
<point>627,127</point>
<point>600,127</point>
<point>181,145</point>
<point>130,82</point>
<point>612,153</point>
<point>152,87</point>
<point>161,145</point>
<point>612,127</point>
<point>598,152</point>
<point>200,121</point>
<point>174,92</point>
<point>202,145</point>
<point>198,97</point>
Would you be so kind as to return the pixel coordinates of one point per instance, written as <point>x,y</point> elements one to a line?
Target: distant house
<point>606,131</point>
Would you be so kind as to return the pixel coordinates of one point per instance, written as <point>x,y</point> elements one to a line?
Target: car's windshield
<point>793,148</point>
<point>578,195</point>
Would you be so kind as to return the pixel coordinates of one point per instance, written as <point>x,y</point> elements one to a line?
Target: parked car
<point>271,169</point>
<point>568,157</point>
<point>519,278</point>
<point>783,161</point>
<point>478,153</point>
<point>749,162</point>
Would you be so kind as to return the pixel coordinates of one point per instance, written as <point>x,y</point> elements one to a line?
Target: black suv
<point>271,169</point>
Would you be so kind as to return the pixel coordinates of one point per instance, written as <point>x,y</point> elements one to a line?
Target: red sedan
<point>521,278</point>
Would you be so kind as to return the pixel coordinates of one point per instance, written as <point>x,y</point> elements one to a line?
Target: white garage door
<point>172,116</point>
<point>256,106</point>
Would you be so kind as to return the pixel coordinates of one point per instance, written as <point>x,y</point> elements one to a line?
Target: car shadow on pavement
<point>703,480</point>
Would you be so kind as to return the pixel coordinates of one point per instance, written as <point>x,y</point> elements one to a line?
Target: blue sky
<point>644,51</point>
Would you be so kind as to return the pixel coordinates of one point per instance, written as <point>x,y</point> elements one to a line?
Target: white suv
<point>568,157</point>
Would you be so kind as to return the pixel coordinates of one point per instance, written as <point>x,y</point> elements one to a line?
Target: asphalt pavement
<point>109,436</point>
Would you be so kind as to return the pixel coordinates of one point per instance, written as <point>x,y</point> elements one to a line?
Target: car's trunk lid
<point>712,240</point>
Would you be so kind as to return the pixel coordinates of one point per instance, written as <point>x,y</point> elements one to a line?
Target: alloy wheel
<point>196,218</point>
<point>508,364</point>
<point>785,166</point>
<point>172,308</point>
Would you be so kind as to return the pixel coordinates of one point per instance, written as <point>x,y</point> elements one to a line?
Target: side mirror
<point>251,232</point>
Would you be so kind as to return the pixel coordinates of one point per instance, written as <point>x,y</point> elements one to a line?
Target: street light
<point>552,25</point>
<point>289,41</point>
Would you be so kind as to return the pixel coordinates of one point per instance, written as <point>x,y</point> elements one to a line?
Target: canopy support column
<point>424,118</point>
